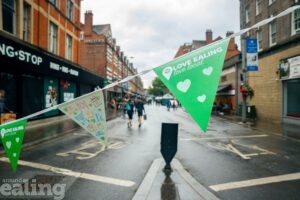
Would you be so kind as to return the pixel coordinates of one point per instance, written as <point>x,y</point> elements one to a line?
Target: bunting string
<point>128,78</point>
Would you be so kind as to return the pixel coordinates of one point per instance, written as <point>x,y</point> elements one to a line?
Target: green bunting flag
<point>193,78</point>
<point>89,112</point>
<point>12,135</point>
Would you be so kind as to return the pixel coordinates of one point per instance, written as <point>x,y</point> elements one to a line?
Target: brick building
<point>39,55</point>
<point>277,81</point>
<point>100,54</point>
<point>229,82</point>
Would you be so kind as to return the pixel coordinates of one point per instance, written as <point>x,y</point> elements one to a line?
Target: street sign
<point>168,143</point>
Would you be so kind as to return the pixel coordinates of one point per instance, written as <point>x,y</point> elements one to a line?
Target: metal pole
<point>244,69</point>
<point>236,89</point>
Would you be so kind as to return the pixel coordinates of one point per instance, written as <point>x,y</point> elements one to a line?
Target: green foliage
<point>157,88</point>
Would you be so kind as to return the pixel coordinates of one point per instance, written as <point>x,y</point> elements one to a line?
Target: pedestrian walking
<point>140,109</point>
<point>129,108</point>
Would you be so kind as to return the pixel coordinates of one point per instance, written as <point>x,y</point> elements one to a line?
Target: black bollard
<point>168,143</point>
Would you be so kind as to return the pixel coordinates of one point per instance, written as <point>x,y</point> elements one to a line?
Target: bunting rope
<point>257,25</point>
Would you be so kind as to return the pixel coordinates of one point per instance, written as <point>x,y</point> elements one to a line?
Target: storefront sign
<point>63,69</point>
<point>289,68</point>
<point>294,67</point>
<point>47,63</point>
<point>22,55</point>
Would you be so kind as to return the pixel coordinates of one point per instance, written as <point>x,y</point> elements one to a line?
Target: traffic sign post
<point>169,140</point>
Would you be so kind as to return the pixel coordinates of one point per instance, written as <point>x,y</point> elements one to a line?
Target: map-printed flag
<point>194,77</point>
<point>89,112</point>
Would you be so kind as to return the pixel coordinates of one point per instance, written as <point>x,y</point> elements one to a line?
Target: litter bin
<point>251,112</point>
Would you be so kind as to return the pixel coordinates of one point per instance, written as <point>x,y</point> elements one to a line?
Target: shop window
<point>8,94</point>
<point>32,100</point>
<point>51,95</point>
<point>53,38</point>
<point>9,14</point>
<point>293,98</point>
<point>26,22</point>
<point>68,90</point>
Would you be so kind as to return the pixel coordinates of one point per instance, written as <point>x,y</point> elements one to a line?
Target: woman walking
<point>129,108</point>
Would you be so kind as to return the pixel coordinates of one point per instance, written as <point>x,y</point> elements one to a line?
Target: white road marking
<point>255,182</point>
<point>88,145</point>
<point>67,172</point>
<point>234,149</point>
<point>217,138</point>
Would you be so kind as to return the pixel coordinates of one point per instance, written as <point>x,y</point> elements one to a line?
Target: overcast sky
<point>151,31</point>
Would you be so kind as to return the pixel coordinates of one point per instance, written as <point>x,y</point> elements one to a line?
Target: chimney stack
<point>209,36</point>
<point>231,45</point>
<point>88,22</point>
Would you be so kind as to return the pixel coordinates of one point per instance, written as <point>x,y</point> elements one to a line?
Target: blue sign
<point>124,86</point>
<point>251,45</point>
<point>251,50</point>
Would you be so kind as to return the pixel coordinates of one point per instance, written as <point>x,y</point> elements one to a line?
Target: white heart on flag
<point>15,154</point>
<point>207,71</point>
<point>201,98</point>
<point>17,139</point>
<point>8,144</point>
<point>167,72</point>
<point>183,86</point>
<point>3,132</point>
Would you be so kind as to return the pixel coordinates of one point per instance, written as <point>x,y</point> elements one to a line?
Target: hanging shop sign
<point>251,50</point>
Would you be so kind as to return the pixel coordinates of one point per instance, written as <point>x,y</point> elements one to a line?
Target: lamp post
<point>245,80</point>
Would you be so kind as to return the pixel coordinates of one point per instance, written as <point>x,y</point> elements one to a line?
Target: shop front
<point>289,71</point>
<point>32,79</point>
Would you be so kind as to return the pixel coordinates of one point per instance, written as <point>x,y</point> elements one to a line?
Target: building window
<point>296,22</point>
<point>9,14</point>
<point>69,47</point>
<point>54,2</point>
<point>247,15</point>
<point>53,37</point>
<point>259,39</point>
<point>258,7</point>
<point>272,33</point>
<point>271,2</point>
<point>70,9</point>
<point>26,22</point>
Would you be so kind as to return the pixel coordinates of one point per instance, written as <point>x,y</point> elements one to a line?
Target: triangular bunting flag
<point>193,78</point>
<point>89,112</point>
<point>12,135</point>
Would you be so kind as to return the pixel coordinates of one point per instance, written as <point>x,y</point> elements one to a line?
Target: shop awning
<point>225,89</point>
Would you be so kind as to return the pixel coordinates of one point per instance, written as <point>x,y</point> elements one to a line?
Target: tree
<point>157,88</point>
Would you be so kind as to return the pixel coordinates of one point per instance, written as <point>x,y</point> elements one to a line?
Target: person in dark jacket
<point>129,107</point>
<point>139,105</point>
